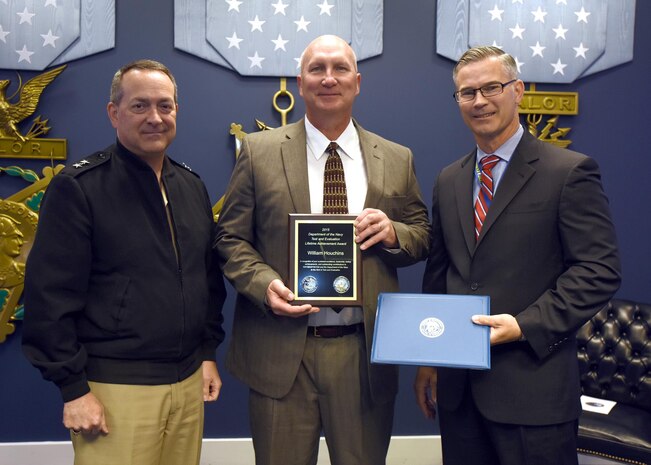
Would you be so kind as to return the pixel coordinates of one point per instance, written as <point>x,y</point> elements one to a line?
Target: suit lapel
<point>514,178</point>
<point>294,155</point>
<point>374,162</point>
<point>463,185</point>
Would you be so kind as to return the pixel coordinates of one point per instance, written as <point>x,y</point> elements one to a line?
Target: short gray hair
<point>476,54</point>
<point>145,65</point>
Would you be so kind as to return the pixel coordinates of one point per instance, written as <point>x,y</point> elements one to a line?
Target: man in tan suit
<point>308,368</point>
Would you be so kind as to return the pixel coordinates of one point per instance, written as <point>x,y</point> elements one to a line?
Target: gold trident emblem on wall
<point>535,104</point>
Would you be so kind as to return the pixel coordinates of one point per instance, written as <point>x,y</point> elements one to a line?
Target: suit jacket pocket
<point>393,206</point>
<point>530,206</point>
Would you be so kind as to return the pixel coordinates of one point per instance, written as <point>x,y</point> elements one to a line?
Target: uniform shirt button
<point>474,286</point>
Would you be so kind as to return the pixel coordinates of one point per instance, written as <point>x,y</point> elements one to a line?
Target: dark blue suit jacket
<point>547,254</point>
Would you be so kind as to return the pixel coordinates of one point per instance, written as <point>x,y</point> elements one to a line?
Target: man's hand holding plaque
<point>373,226</point>
<point>279,298</point>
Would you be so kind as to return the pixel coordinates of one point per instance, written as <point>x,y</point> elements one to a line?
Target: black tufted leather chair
<point>614,351</point>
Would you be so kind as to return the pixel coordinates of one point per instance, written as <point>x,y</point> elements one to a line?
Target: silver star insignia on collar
<point>81,163</point>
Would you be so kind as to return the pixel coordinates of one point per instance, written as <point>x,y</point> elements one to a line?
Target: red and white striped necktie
<point>484,173</point>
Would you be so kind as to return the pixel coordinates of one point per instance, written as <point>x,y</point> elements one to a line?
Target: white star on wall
<point>518,63</point>
<point>233,5</point>
<point>26,17</point>
<point>537,49</point>
<point>325,8</point>
<point>279,43</point>
<point>301,24</point>
<point>559,2</point>
<point>280,7</point>
<point>580,50</point>
<point>560,32</point>
<point>3,34</point>
<point>256,60</point>
<point>558,67</point>
<point>51,3</point>
<point>517,31</point>
<point>539,15</point>
<point>24,55</point>
<point>48,39</point>
<point>256,24</point>
<point>234,41</point>
<point>298,62</point>
<point>582,16</point>
<point>496,13</point>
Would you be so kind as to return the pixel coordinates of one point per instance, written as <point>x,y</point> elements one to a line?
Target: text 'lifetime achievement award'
<point>325,266</point>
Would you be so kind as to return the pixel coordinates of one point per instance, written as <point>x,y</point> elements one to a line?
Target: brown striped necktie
<point>335,199</point>
<point>485,196</point>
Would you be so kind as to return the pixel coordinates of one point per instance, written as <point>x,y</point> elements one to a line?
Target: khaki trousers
<point>148,425</point>
<point>330,395</point>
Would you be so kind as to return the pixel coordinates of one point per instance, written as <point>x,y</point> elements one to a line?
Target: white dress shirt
<point>505,152</point>
<point>356,186</point>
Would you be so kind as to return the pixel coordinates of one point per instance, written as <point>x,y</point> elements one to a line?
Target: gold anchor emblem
<point>238,133</point>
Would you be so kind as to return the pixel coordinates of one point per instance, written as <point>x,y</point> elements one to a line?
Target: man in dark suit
<point>308,368</point>
<point>541,244</point>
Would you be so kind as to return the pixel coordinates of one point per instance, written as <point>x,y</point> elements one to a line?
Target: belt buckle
<point>315,331</point>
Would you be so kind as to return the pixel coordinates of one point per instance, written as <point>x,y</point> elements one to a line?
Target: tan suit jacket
<point>270,181</point>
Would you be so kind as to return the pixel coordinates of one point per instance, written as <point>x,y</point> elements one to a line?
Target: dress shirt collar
<point>317,143</point>
<point>504,151</point>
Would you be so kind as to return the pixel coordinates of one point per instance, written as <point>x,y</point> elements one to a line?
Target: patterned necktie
<point>485,197</point>
<point>335,199</point>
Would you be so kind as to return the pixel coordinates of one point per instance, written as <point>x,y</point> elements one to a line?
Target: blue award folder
<point>431,329</point>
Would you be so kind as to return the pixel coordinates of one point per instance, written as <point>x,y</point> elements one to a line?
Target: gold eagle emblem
<point>13,113</point>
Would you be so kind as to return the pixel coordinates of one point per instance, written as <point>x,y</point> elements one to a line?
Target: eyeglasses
<point>489,90</point>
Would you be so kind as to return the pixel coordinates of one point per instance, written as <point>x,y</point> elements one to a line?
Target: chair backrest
<point>614,352</point>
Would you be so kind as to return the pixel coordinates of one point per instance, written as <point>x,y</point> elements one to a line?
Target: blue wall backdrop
<point>406,96</point>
